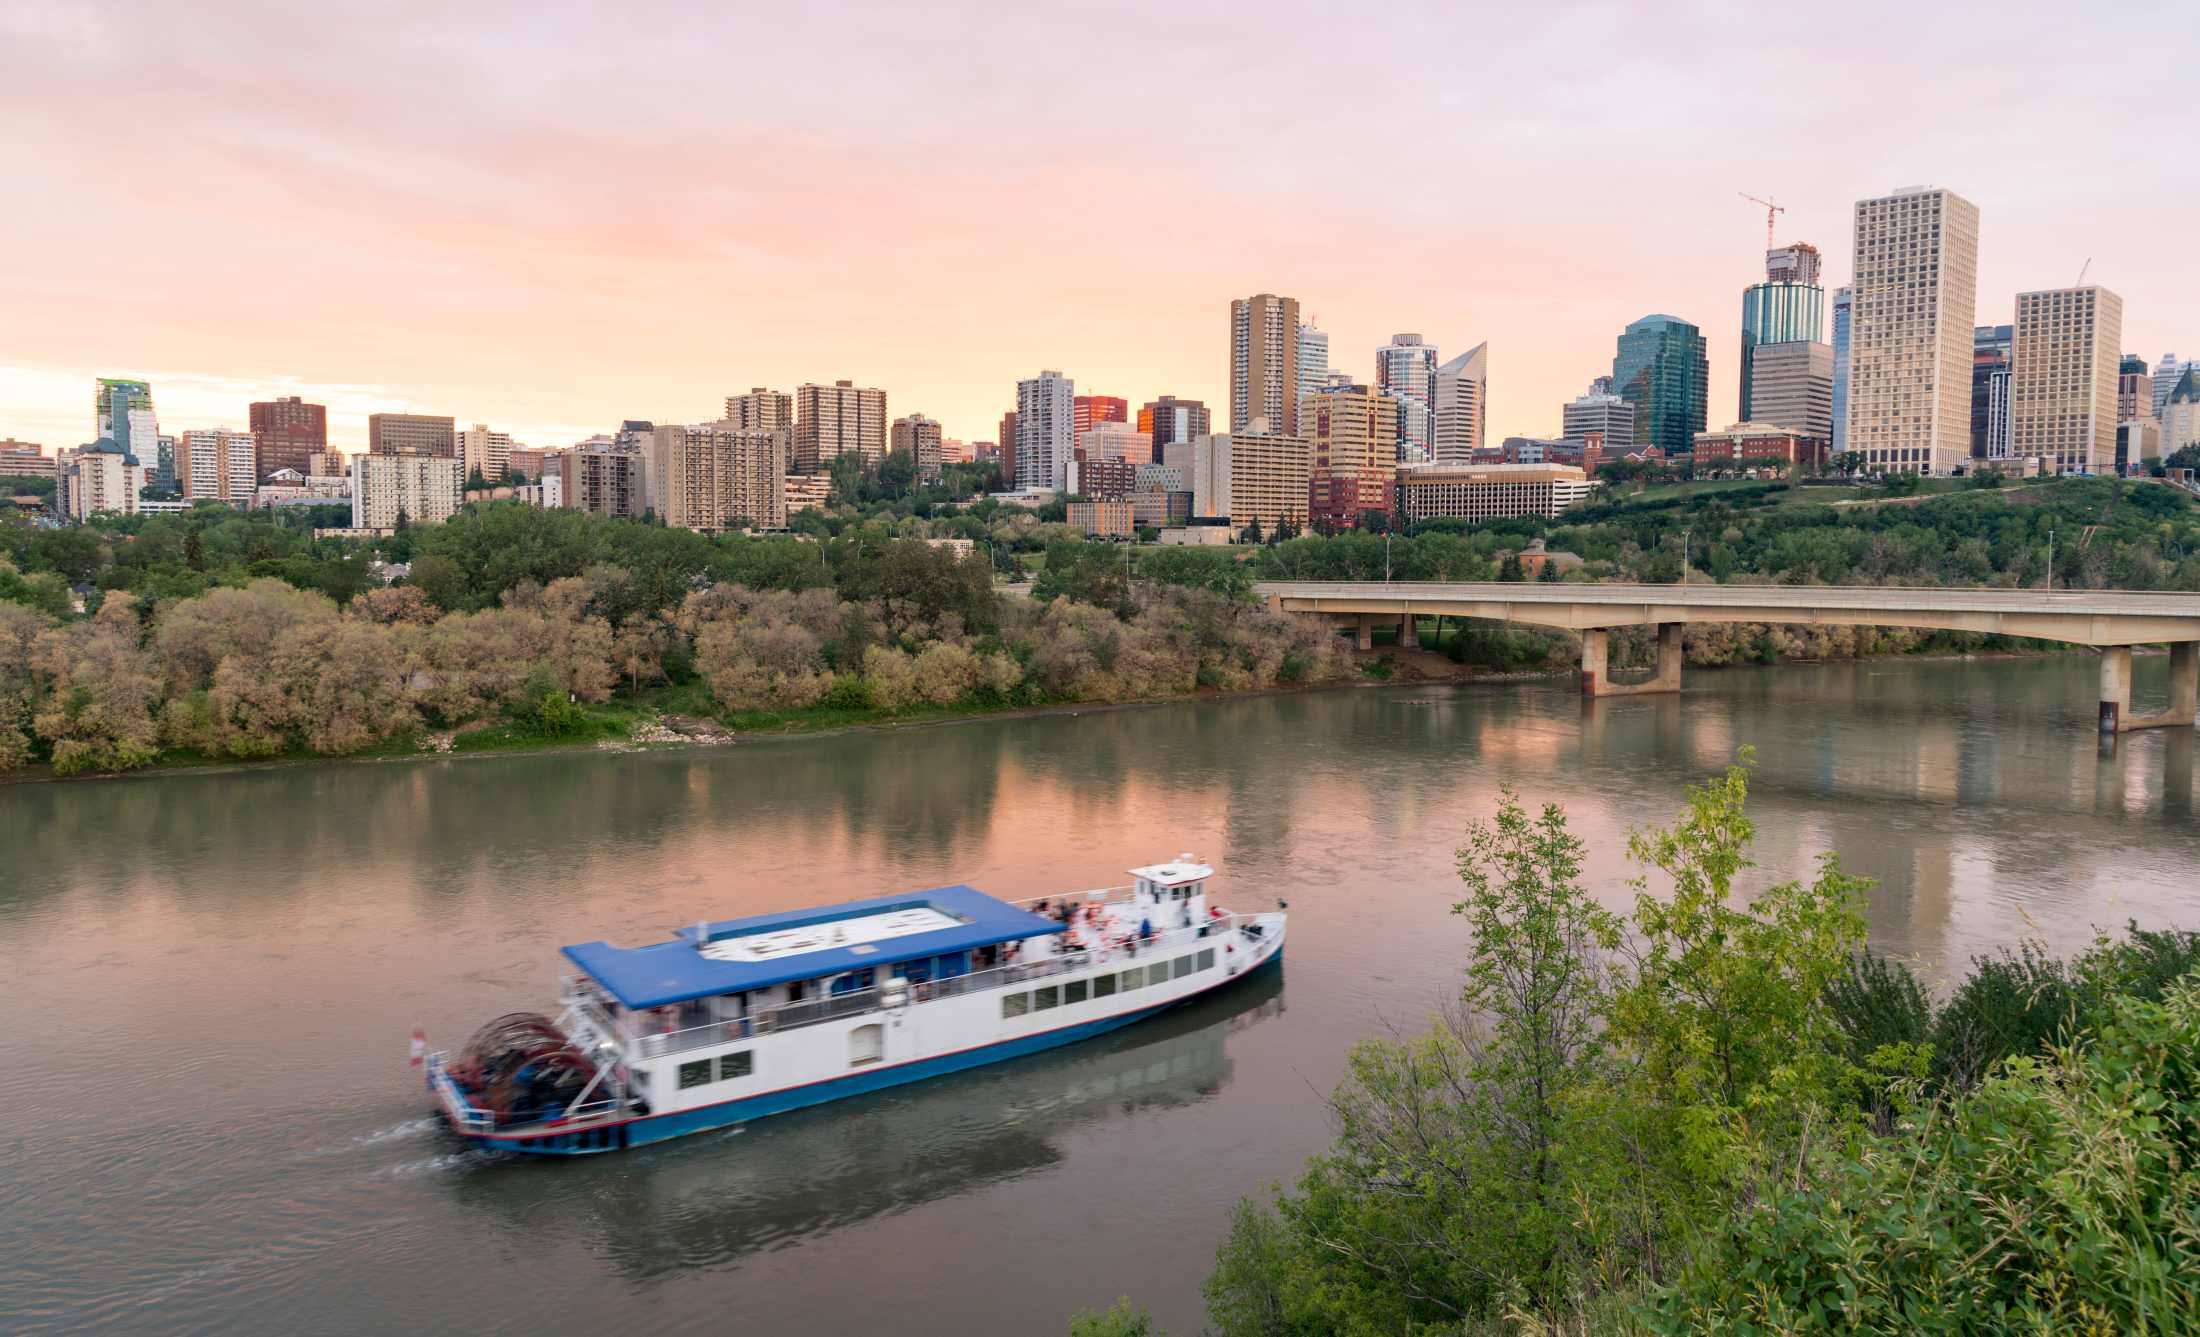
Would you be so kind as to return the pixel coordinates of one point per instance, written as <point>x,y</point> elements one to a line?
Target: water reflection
<point>716,1198</point>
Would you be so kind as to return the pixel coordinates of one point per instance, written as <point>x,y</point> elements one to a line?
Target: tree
<point>1548,574</point>
<point>97,712</point>
<point>1198,568</point>
<point>1510,569</point>
<point>441,579</point>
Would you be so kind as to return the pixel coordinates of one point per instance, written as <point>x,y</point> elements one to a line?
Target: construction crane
<point>1772,213</point>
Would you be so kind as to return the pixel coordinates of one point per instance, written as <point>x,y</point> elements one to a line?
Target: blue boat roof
<point>906,927</point>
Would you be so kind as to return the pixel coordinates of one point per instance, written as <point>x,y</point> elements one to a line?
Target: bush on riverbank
<point>1717,1113</point>
<point>268,670</point>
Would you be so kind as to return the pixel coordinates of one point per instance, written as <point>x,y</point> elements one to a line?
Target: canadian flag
<point>419,1046</point>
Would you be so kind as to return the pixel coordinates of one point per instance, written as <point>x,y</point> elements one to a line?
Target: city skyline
<point>483,273</point>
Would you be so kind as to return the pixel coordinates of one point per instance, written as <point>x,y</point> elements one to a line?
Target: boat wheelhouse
<point>732,1020</point>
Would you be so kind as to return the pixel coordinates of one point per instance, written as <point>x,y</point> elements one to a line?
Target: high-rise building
<point>1264,364</point>
<point>2167,372</point>
<point>484,452</point>
<point>1608,416</point>
<point>602,479</point>
<point>1087,411</point>
<point>1351,434</point>
<point>102,477</point>
<point>290,432</point>
<point>718,477</point>
<point>1843,304</point>
<point>835,420</point>
<point>1170,419</point>
<point>920,436</point>
<point>218,464</point>
<point>761,410</point>
<point>1791,387</point>
<point>1661,369</point>
<point>1786,308</point>
<point>1312,357</point>
<point>1115,441</point>
<point>2062,377</point>
<point>1461,405</point>
<point>1405,369</point>
<point>1797,262</point>
<point>2134,389</point>
<point>1251,479</point>
<point>112,399</point>
<point>1045,430</point>
<point>139,434</point>
<point>1990,349</point>
<point>416,487</point>
<point>1909,398</point>
<point>2181,413</point>
<point>1004,441</point>
<point>412,434</point>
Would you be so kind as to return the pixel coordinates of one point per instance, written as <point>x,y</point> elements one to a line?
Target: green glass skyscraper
<point>1661,368</point>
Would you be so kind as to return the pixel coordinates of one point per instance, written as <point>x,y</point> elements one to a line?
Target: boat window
<point>1207,958</point>
<point>695,1074</point>
<point>734,1065</point>
<point>1015,1004</point>
<point>1133,978</point>
<point>1183,966</point>
<point>1074,991</point>
<point>1044,998</point>
<point>1103,986</point>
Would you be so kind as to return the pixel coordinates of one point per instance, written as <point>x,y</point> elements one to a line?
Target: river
<point>207,982</point>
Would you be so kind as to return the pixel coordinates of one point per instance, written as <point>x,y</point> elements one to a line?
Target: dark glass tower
<point>1661,369</point>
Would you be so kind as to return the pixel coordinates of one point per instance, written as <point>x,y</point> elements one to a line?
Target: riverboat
<point>738,1019</point>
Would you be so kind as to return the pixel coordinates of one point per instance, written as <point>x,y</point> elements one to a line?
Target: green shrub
<point>2062,1195</point>
<point>851,691</point>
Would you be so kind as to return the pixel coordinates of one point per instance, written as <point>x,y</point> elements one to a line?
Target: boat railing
<point>832,1007</point>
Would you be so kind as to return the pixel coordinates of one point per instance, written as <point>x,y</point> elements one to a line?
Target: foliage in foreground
<point>1718,1113</point>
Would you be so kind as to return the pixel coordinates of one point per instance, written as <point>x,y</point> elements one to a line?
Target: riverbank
<point>680,717</point>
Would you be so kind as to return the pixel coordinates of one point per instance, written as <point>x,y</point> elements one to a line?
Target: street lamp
<point>1686,530</point>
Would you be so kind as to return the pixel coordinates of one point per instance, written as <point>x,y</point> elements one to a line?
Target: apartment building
<point>831,421</point>
<point>1910,322</point>
<point>412,434</point>
<point>421,489</point>
<point>2062,378</point>
<point>218,464</point>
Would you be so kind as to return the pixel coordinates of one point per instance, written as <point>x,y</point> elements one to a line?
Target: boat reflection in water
<point>718,1197</point>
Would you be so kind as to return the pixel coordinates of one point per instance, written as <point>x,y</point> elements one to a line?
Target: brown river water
<point>207,982</point>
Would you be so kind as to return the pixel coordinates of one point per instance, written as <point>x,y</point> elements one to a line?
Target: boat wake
<point>399,1132</point>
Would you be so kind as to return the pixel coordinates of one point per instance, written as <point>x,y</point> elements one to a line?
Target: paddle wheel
<point>522,1069</point>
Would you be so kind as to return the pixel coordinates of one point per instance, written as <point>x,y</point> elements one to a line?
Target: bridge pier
<point>1596,657</point>
<point>2184,689</point>
<point>1409,632</point>
<point>1363,634</point>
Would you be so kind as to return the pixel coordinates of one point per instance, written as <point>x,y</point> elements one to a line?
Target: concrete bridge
<point>2112,621</point>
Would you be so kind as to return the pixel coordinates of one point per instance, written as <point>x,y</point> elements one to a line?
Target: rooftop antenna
<point>2082,271</point>
<point>1772,212</point>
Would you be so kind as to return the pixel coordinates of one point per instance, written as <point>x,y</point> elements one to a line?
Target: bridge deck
<point>2084,617</point>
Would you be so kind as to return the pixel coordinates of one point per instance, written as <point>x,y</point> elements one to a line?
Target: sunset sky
<point>552,217</point>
